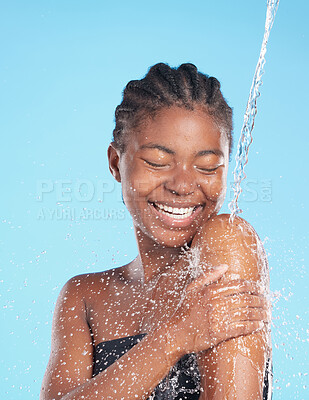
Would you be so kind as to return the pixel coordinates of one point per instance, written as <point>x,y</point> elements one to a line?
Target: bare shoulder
<point>73,332</point>
<point>221,226</point>
<point>236,244</point>
<point>71,302</point>
<point>84,286</point>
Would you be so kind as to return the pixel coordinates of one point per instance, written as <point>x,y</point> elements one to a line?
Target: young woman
<point>188,318</point>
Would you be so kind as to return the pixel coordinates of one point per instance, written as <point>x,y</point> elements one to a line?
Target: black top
<point>183,380</point>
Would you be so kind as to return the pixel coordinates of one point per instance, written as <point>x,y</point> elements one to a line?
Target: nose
<point>181,181</point>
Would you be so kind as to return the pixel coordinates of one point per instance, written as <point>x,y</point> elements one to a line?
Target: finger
<point>235,287</point>
<point>211,277</point>
<point>242,300</point>
<point>246,327</point>
<point>235,330</point>
<point>248,314</point>
<point>223,320</point>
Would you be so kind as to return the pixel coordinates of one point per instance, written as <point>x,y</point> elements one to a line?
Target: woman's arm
<point>69,371</point>
<point>235,368</point>
<point>138,372</point>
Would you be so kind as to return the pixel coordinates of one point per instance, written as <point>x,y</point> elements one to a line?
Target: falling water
<point>169,387</point>
<point>251,111</point>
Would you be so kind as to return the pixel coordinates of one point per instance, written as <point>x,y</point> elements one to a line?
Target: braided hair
<point>164,87</point>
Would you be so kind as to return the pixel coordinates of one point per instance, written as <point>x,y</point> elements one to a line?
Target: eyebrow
<point>216,152</point>
<point>157,146</point>
<point>201,153</point>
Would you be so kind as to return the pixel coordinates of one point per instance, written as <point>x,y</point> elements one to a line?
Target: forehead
<point>179,128</point>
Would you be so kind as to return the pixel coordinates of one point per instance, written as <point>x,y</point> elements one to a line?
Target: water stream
<point>251,111</point>
<point>169,388</point>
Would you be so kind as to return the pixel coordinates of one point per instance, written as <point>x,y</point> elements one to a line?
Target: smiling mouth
<point>175,212</point>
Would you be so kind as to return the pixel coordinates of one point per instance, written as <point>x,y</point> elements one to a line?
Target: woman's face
<point>173,175</point>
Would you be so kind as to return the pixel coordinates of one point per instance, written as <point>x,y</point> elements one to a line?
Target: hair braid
<point>164,86</point>
<point>191,77</point>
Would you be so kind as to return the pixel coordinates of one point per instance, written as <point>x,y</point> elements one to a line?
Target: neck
<point>153,258</point>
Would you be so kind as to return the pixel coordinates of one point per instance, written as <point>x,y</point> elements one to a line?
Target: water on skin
<point>169,386</point>
<point>248,125</point>
<point>251,111</point>
<point>170,383</point>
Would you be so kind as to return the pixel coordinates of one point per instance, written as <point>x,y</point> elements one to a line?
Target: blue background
<point>63,66</point>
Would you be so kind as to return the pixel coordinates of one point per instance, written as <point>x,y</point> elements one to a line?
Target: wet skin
<point>178,159</point>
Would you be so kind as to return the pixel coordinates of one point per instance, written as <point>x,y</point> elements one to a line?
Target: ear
<point>113,160</point>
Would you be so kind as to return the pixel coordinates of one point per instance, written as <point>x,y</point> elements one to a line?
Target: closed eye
<point>208,169</point>
<point>154,164</point>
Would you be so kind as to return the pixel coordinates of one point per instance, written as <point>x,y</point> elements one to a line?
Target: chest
<point>114,312</point>
<point>118,310</point>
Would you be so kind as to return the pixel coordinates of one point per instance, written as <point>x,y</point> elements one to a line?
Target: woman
<point>188,317</point>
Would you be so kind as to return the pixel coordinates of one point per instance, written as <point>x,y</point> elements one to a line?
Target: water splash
<point>250,114</point>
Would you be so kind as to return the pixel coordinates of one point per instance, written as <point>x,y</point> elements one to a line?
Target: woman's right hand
<point>212,312</point>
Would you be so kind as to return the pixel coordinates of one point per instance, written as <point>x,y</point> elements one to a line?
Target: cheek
<point>139,184</point>
<point>216,188</point>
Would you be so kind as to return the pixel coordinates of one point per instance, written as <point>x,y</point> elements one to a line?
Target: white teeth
<point>178,213</point>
